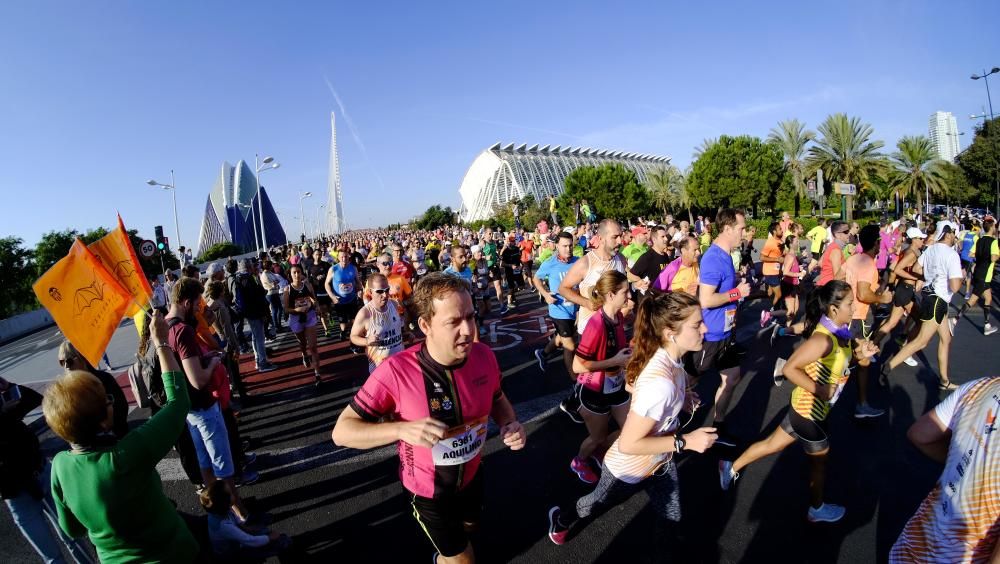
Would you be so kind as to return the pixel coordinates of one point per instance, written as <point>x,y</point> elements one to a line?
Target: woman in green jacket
<point>109,488</point>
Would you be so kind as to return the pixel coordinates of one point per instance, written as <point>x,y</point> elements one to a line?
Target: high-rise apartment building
<point>944,135</point>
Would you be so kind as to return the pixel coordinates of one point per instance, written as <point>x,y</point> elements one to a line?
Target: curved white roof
<point>500,174</point>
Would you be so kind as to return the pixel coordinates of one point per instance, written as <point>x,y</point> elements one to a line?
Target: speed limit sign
<point>147,248</point>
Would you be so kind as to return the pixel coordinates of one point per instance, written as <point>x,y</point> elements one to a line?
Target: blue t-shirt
<point>464,274</point>
<point>717,271</point>
<point>968,243</point>
<point>345,283</point>
<point>554,270</point>
<point>583,241</point>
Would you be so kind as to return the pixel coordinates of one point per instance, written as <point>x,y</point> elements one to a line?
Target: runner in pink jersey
<point>434,400</point>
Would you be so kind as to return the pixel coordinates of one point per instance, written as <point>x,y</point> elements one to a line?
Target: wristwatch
<point>679,443</point>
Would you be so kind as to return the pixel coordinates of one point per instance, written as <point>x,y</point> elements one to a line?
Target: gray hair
<point>214,268</point>
<point>244,265</point>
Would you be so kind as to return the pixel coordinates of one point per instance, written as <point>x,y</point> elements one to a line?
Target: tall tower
<point>943,132</point>
<point>334,196</point>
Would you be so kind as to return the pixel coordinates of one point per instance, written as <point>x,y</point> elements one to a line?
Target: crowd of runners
<point>641,312</point>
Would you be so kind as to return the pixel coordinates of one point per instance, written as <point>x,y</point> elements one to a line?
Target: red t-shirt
<point>601,340</point>
<point>527,246</point>
<point>404,269</point>
<point>183,339</point>
<point>409,386</point>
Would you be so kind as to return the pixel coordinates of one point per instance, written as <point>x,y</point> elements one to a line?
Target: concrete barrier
<point>23,324</point>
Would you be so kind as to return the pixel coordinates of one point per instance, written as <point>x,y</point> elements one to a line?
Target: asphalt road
<point>340,503</point>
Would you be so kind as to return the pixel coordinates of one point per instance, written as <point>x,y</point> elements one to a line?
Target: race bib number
<point>460,444</point>
<point>517,270</point>
<point>301,302</point>
<point>613,382</point>
<point>730,319</point>
<point>840,386</point>
<point>346,288</point>
<point>421,271</point>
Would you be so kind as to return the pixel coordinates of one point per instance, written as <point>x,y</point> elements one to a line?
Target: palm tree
<point>668,188</point>
<point>846,152</point>
<point>706,144</point>
<point>917,170</point>
<point>792,137</point>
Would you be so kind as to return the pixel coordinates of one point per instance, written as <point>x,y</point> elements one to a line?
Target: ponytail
<point>655,313</point>
<point>832,293</point>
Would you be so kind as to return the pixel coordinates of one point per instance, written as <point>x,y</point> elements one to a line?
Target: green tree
<point>668,190</point>
<point>611,190</point>
<point>435,217</point>
<point>916,170</point>
<point>741,172</point>
<point>958,189</point>
<point>224,249</point>
<point>706,144</point>
<point>980,162</point>
<point>791,137</point>
<point>18,274</point>
<point>846,153</point>
<point>52,247</point>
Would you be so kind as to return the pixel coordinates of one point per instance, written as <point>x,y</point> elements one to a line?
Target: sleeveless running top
<point>791,277</point>
<point>909,269</point>
<point>596,266</point>
<point>827,370</point>
<point>386,327</point>
<point>826,272</point>
<point>410,386</point>
<point>299,298</point>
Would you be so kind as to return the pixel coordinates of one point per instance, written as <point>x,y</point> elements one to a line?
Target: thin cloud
<point>353,130</point>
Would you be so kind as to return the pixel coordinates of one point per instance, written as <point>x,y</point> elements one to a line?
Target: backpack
<point>146,381</point>
<point>248,297</point>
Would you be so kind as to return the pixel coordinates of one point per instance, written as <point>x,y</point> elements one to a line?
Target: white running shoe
<point>826,513</point>
<point>910,361</point>
<point>989,329</point>
<point>779,378</point>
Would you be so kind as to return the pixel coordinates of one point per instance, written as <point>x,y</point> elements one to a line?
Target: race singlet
<point>460,444</point>
<point>346,288</point>
<point>613,381</point>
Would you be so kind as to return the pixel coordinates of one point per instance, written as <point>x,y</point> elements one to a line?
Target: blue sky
<point>99,97</point>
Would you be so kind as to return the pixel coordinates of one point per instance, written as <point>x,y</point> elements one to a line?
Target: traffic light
<point>161,241</point>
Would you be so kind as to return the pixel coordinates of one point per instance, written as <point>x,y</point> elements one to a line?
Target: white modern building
<point>334,197</point>
<point>232,211</point>
<point>944,135</point>
<point>504,173</point>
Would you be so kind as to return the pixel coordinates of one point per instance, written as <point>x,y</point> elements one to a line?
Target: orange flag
<point>115,251</point>
<point>85,300</point>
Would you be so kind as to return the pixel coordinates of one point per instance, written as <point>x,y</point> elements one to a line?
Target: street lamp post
<point>319,209</point>
<point>173,189</point>
<point>269,164</point>
<point>989,100</point>
<point>302,212</point>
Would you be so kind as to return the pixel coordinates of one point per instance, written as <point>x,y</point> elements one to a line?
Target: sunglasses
<point>384,263</point>
<point>380,291</point>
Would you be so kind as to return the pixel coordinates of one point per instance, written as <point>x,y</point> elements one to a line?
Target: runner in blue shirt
<point>719,291</point>
<point>561,312</point>
<point>342,286</point>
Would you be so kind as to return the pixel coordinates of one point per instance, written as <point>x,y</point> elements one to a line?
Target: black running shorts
<point>601,403</point>
<point>933,308</point>
<point>812,434</point>
<point>448,518</point>
<point>714,355</point>
<point>903,295</point>
<point>565,328</point>
<point>347,310</point>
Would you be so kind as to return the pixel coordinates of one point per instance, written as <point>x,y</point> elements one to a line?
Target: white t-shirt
<point>940,263</point>
<point>659,394</point>
<point>957,521</point>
